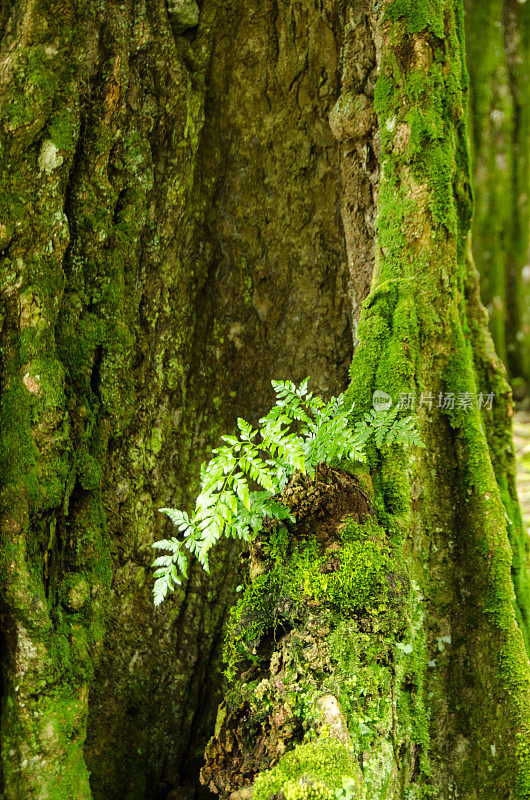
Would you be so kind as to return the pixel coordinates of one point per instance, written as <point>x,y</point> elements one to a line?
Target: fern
<point>298,433</point>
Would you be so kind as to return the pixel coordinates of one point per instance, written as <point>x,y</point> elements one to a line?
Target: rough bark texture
<point>498,36</point>
<point>425,307</point>
<point>171,238</point>
<point>189,203</point>
<point>440,701</point>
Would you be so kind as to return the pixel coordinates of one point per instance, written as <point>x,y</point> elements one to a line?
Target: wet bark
<point>173,235</point>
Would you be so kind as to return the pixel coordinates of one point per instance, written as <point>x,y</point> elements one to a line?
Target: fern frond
<point>225,505</point>
<point>404,431</point>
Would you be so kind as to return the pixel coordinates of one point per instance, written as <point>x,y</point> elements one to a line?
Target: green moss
<point>418,16</point>
<point>62,130</point>
<point>75,591</point>
<point>384,94</point>
<point>424,214</point>
<point>362,680</point>
<point>440,171</point>
<point>89,471</point>
<point>312,771</point>
<point>297,575</point>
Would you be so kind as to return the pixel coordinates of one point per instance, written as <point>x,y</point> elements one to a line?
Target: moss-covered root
<point>497,423</point>
<point>416,340</point>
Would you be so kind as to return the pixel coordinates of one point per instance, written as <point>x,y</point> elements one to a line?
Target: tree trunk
<point>392,660</point>
<point>171,237</point>
<point>188,211</point>
<point>498,36</point>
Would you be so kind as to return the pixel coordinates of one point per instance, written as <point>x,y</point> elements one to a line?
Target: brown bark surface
<point>172,237</point>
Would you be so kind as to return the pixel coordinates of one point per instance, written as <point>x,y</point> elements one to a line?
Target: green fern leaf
<point>225,506</point>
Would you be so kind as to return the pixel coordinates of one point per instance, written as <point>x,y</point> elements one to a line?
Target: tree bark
<point>171,239</point>
<point>189,211</point>
<point>498,36</point>
<point>415,681</point>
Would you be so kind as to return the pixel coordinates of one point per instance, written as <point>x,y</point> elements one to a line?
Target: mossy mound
<point>352,572</point>
<point>313,641</point>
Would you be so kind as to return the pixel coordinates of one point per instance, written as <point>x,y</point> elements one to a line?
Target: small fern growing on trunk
<point>299,432</point>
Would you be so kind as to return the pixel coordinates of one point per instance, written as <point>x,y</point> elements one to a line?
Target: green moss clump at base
<point>319,770</point>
